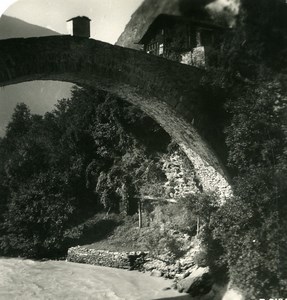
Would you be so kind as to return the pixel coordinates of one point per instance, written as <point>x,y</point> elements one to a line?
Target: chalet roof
<point>79,17</point>
<point>164,19</point>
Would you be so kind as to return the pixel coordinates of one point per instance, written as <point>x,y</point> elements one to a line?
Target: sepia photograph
<point>143,149</point>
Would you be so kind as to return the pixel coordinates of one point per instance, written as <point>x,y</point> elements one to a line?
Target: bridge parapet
<point>48,56</point>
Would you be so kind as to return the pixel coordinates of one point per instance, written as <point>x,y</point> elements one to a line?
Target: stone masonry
<point>169,92</point>
<point>121,260</point>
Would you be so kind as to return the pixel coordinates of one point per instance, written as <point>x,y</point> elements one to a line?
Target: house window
<point>160,50</point>
<point>198,39</point>
<point>192,39</point>
<point>152,48</point>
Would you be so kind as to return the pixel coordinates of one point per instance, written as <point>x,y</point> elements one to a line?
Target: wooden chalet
<point>182,39</point>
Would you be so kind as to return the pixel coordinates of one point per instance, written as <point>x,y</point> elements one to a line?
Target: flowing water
<point>28,279</point>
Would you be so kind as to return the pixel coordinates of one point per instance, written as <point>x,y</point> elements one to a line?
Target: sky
<point>109,17</point>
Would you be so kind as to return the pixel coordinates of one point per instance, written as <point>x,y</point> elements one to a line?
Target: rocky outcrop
<point>190,278</point>
<point>181,176</point>
<point>121,260</point>
<point>199,282</point>
<point>187,276</point>
<point>172,269</point>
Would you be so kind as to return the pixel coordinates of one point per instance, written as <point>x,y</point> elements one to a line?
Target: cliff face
<point>222,12</point>
<point>143,17</point>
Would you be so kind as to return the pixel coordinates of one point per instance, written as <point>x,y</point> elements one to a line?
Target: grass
<point>111,232</point>
<point>126,237</point>
<point>164,230</point>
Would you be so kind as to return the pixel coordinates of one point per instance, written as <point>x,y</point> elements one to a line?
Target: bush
<point>97,228</point>
<point>249,225</point>
<point>171,222</point>
<point>250,243</point>
<point>175,216</point>
<point>38,214</point>
<point>162,243</point>
<point>201,259</point>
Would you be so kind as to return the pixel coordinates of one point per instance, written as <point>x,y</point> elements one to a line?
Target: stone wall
<point>195,58</point>
<point>122,260</point>
<point>180,174</point>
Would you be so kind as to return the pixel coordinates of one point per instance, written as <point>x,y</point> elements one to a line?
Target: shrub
<point>162,243</point>
<point>171,221</point>
<point>38,214</point>
<point>175,216</point>
<point>201,259</point>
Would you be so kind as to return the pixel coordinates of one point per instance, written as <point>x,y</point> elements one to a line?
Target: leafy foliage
<point>249,224</point>
<point>161,243</point>
<point>258,42</point>
<point>37,216</point>
<point>174,224</point>
<point>86,156</point>
<point>255,137</point>
<point>249,230</point>
<point>249,227</point>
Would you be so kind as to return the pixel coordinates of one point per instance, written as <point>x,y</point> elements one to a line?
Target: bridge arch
<point>166,91</point>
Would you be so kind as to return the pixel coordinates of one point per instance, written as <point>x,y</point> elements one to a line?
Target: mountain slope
<point>13,28</point>
<point>142,18</point>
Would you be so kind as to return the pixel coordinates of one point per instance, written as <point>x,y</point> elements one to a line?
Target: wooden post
<point>140,213</point>
<point>197,227</point>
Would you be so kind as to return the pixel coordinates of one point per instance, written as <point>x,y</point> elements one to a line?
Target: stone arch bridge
<point>167,91</point>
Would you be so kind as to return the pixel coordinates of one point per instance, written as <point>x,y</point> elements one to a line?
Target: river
<point>28,279</point>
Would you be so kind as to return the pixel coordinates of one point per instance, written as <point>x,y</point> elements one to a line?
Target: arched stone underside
<point>166,91</point>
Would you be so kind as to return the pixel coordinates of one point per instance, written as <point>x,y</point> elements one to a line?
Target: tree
<point>38,213</point>
<point>249,225</point>
<point>20,123</point>
<point>259,40</point>
<point>58,170</point>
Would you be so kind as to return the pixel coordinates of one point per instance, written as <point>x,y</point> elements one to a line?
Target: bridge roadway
<point>169,92</point>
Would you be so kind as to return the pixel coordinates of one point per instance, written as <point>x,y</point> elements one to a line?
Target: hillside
<point>13,28</point>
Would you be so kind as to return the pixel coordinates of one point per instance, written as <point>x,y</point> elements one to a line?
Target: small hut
<point>79,26</point>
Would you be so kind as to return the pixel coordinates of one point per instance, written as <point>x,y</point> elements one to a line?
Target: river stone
<point>199,282</point>
<point>156,273</point>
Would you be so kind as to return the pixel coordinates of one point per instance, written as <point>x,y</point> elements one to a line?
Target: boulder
<point>233,294</point>
<point>199,282</point>
<point>156,273</point>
